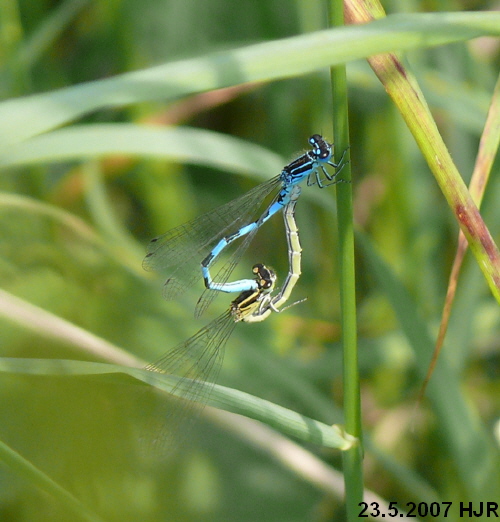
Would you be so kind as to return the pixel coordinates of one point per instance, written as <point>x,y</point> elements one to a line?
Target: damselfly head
<point>321,148</point>
<point>265,277</point>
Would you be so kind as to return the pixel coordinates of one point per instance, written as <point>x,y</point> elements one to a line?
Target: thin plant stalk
<point>352,458</point>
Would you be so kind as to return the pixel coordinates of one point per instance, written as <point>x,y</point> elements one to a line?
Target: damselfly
<point>197,360</point>
<point>201,240</point>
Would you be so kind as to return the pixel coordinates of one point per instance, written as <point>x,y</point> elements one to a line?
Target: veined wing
<point>227,268</point>
<point>182,249</point>
<point>197,362</point>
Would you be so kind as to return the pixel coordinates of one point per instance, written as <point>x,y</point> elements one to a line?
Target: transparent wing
<point>197,362</point>
<point>227,268</point>
<point>182,249</point>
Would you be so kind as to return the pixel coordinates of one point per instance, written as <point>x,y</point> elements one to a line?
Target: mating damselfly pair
<point>189,250</point>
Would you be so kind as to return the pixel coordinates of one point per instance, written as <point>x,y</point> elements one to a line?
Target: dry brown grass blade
<point>488,147</point>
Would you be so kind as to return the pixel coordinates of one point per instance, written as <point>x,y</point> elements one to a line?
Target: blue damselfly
<point>182,249</point>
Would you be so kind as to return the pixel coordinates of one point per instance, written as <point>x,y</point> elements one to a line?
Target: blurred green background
<point>73,234</point>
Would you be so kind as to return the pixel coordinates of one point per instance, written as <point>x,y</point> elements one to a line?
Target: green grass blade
<point>51,326</point>
<point>282,419</point>
<point>182,144</point>
<point>23,118</point>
